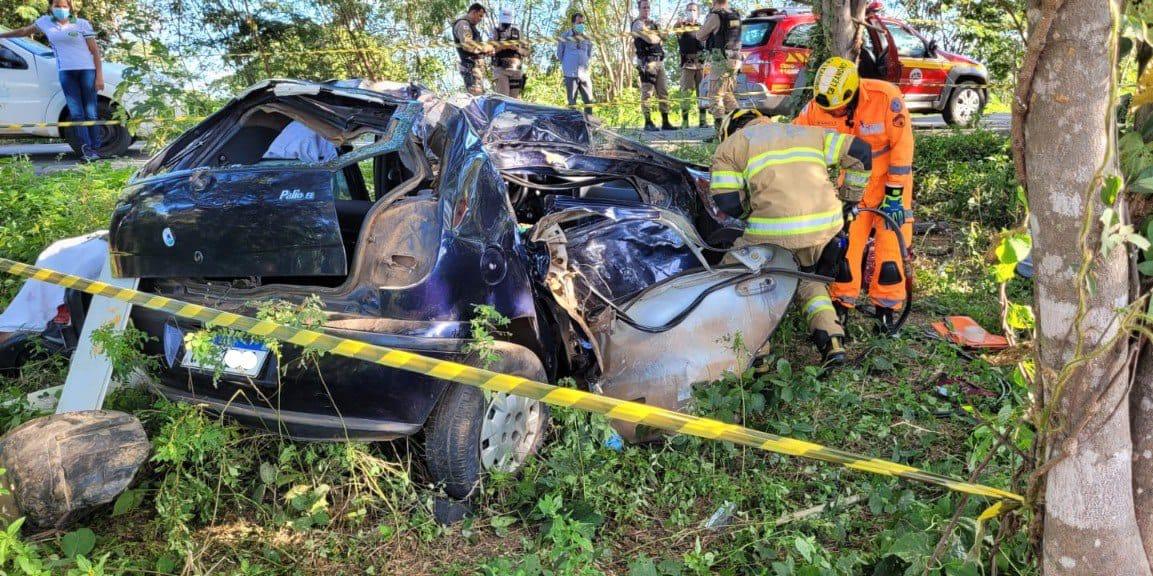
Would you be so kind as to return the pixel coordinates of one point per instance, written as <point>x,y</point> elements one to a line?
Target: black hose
<point>680,317</point>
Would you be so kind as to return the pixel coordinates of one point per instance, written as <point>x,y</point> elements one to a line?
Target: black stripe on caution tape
<point>614,408</point>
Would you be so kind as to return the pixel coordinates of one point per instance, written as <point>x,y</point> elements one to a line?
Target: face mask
<point>579,28</point>
<point>61,13</point>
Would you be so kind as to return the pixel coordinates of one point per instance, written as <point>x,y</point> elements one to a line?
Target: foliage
<point>485,326</point>
<point>125,350</point>
<point>990,32</point>
<point>967,175</point>
<point>34,211</point>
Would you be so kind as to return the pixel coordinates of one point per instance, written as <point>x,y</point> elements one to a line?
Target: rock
<point>61,467</point>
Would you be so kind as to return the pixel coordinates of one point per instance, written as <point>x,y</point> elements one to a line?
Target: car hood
<point>959,59</point>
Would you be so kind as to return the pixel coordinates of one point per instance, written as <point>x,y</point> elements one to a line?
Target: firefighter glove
<point>849,212</point>
<point>892,207</point>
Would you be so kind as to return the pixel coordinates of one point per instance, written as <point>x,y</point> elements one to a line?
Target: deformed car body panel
<point>257,222</point>
<point>636,279</point>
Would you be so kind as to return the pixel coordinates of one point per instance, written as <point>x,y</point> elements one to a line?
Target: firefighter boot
<point>704,123</point>
<point>649,126</point>
<point>665,124</point>
<point>886,321</point>
<point>832,348</point>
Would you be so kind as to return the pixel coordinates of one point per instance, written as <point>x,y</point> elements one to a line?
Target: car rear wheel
<point>114,140</point>
<point>964,106</point>
<point>468,434</point>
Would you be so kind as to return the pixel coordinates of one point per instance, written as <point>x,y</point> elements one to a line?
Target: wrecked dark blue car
<point>602,253</point>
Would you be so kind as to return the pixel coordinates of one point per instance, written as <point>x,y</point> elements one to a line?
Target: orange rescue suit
<point>882,120</point>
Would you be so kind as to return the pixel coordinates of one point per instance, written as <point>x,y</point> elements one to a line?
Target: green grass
<point>38,210</point>
<point>224,500</point>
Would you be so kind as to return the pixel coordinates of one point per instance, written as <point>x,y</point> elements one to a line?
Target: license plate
<point>238,358</point>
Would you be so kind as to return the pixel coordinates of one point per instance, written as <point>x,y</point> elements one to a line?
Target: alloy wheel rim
<point>968,102</point>
<point>509,431</point>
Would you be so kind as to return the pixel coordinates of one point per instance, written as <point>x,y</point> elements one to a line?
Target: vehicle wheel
<point>964,106</point>
<point>114,139</point>
<point>467,436</point>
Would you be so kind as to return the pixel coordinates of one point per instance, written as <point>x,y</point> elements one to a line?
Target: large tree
<point>1066,150</point>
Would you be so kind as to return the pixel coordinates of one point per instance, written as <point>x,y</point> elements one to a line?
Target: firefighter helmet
<point>836,84</point>
<point>736,120</point>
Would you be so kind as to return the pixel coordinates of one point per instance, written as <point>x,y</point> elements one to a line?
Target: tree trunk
<point>1141,397</point>
<point>1090,525</point>
<point>1141,412</point>
<point>839,24</point>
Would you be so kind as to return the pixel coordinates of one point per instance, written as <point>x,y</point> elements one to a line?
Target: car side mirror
<point>932,48</point>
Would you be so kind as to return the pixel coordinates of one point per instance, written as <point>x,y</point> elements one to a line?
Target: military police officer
<point>692,53</point>
<point>651,65</point>
<point>721,34</point>
<point>507,73</point>
<point>470,47</point>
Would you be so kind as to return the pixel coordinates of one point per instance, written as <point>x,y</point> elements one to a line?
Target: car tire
<point>964,106</point>
<point>114,139</point>
<point>456,450</point>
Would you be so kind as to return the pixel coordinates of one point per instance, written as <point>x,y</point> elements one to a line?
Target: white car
<point>30,94</point>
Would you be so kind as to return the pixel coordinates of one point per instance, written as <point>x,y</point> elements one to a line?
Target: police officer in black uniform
<point>721,34</point>
<point>471,48</point>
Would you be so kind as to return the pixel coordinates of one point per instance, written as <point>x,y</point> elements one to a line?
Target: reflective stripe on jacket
<point>882,120</point>
<point>781,173</point>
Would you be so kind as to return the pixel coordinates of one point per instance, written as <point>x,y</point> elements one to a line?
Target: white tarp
<point>36,303</point>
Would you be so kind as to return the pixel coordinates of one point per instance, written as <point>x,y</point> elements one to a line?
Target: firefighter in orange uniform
<point>874,111</point>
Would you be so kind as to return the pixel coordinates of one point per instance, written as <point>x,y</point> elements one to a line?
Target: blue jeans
<point>80,93</point>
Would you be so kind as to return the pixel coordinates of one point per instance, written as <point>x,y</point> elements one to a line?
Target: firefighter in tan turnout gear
<point>776,177</point>
<point>507,67</point>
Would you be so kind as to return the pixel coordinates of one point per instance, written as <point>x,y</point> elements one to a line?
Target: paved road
<point>48,158</point>
<point>995,122</point>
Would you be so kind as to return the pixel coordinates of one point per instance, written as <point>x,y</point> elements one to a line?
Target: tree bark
<point>839,24</point>
<point>1141,413</point>
<point>1090,524</point>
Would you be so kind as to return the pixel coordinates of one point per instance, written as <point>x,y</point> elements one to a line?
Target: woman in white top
<point>78,63</point>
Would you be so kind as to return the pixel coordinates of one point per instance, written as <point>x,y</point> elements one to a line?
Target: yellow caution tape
<point>633,412</point>
<point>61,124</point>
<point>132,122</point>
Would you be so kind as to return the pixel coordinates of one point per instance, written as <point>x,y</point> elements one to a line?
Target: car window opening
<point>271,138</point>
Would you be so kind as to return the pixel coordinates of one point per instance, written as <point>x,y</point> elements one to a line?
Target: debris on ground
<point>966,332</point>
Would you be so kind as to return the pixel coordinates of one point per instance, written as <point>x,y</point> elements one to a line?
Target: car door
<point>21,98</point>
<point>879,57</point>
<point>924,73</point>
<point>792,57</point>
